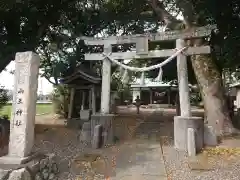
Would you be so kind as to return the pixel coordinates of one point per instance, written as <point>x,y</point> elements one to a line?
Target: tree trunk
<point>206,71</point>
<point>210,83</point>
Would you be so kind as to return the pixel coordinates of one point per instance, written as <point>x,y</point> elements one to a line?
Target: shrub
<point>3,97</point>
<point>60,100</point>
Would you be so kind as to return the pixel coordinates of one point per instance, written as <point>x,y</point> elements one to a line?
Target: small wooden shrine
<point>85,92</point>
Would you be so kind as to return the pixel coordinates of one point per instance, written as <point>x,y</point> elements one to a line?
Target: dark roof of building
<point>83,75</point>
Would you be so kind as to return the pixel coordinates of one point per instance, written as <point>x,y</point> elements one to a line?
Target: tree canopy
<point>52,28</point>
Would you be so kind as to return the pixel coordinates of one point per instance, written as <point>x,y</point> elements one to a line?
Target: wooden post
<point>70,107</point>
<point>93,94</point>
<point>83,100</point>
<point>183,81</point>
<point>90,98</point>
<point>106,81</point>
<point>151,96</point>
<point>169,97</point>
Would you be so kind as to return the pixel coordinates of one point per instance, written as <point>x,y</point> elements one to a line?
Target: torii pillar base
<point>181,125</point>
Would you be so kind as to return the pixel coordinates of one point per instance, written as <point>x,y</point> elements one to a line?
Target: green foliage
<point>53,29</point>
<point>225,41</point>
<point>60,99</point>
<point>195,98</point>
<point>3,97</point>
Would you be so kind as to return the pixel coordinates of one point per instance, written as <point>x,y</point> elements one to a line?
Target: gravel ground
<point>65,144</point>
<point>180,167</point>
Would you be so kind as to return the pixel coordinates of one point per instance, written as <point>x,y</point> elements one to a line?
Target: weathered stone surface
<point>86,133</point>
<point>181,125</point>
<point>20,174</point>
<point>4,174</point>
<point>97,137</point>
<point>45,173</point>
<point>210,137</point>
<point>106,121</point>
<point>51,176</point>
<point>191,142</point>
<point>85,115</point>
<point>38,176</point>
<point>48,170</point>
<point>55,168</point>
<point>43,163</point>
<point>24,104</point>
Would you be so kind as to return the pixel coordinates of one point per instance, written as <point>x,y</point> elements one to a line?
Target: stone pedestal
<point>106,121</point>
<point>181,125</point>
<point>85,136</point>
<point>191,142</point>
<point>85,115</point>
<point>97,137</point>
<point>210,136</point>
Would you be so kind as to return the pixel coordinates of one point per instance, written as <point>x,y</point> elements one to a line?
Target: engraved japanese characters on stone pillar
<point>24,104</point>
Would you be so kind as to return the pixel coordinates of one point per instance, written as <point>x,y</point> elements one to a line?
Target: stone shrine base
<point>181,125</point>
<point>106,121</point>
<point>41,167</point>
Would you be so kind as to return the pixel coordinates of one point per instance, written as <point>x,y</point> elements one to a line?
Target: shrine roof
<point>82,75</point>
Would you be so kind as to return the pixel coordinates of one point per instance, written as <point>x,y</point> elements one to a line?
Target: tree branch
<point>187,9</point>
<point>162,13</point>
<point>185,6</point>
<point>48,79</point>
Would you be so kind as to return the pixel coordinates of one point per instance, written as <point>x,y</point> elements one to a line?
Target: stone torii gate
<point>181,123</point>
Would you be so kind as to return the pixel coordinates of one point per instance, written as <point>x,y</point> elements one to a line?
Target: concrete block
<point>106,121</point>
<point>97,137</point>
<point>181,125</point>
<point>210,137</point>
<point>85,136</point>
<point>85,115</point>
<point>191,142</point>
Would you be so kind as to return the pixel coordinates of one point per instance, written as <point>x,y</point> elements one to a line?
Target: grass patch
<point>41,108</point>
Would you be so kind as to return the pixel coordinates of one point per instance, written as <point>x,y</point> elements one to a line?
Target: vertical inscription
<point>22,72</point>
<point>23,114</point>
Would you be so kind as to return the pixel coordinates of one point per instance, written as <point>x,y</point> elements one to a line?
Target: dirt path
<point>137,155</point>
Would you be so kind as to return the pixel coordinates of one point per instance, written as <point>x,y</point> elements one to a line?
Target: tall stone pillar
<point>185,120</point>
<point>23,109</point>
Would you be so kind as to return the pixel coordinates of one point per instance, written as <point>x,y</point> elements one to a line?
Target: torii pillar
<point>105,118</point>
<point>185,121</point>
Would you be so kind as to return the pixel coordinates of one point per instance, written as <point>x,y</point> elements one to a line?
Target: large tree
<point>206,70</point>
<point>34,24</point>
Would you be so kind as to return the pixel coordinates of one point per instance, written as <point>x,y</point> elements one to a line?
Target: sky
<point>7,80</point>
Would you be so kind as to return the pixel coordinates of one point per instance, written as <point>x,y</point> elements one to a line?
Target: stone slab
<point>85,114</point>
<point>86,133</point>
<point>191,144</point>
<point>210,137</point>
<point>97,137</point>
<point>39,167</point>
<point>17,160</point>
<point>106,121</point>
<point>20,174</point>
<point>139,160</point>
<point>181,125</point>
